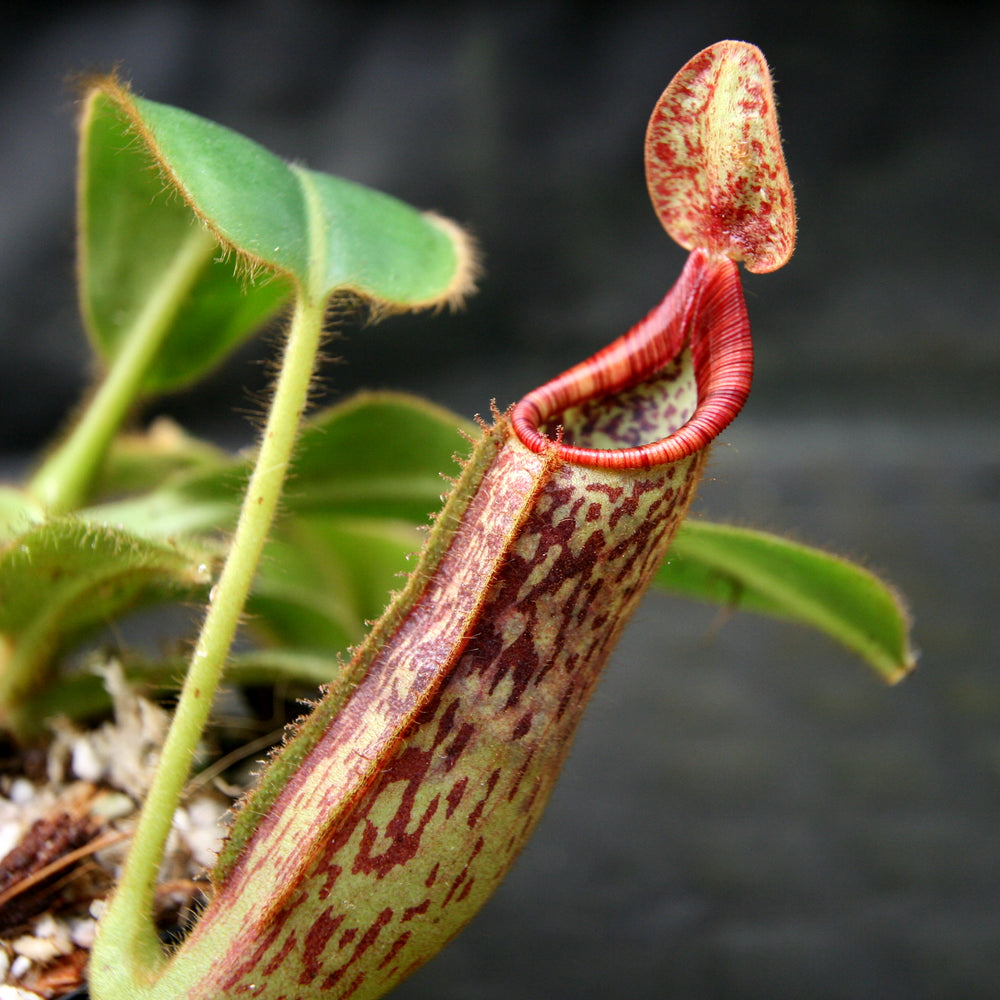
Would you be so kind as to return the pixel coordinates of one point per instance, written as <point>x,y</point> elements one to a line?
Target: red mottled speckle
<point>523,725</point>
<point>279,956</point>
<point>369,938</point>
<point>481,804</point>
<point>455,795</point>
<point>453,751</point>
<point>250,961</point>
<point>397,946</point>
<point>416,911</point>
<point>324,927</point>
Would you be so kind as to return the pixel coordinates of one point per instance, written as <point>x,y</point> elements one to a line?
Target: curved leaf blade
<point>761,572</point>
<point>246,194</point>
<point>379,248</point>
<point>326,233</point>
<point>378,454</point>
<point>375,455</point>
<point>61,579</point>
<point>366,474</point>
<point>134,239</point>
<point>323,579</point>
<point>144,461</point>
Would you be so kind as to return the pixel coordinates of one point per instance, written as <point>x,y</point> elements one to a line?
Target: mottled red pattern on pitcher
<point>402,815</point>
<point>400,801</point>
<point>477,767</point>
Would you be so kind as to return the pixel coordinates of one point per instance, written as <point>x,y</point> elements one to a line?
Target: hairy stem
<point>127,950</point>
<point>63,481</point>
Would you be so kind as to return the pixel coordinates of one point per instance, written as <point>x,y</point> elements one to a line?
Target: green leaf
<point>200,500</point>
<point>326,233</point>
<point>145,461</point>
<point>139,246</point>
<point>323,579</point>
<point>160,188</point>
<point>379,454</point>
<point>757,571</point>
<point>366,473</point>
<point>268,666</point>
<point>61,579</point>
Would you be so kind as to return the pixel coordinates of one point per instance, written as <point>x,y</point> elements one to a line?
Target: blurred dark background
<point>747,813</point>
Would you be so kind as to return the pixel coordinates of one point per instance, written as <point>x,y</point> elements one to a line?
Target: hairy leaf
<point>757,571</point>
<point>61,579</point>
<point>145,258</point>
<point>326,233</point>
<point>323,579</point>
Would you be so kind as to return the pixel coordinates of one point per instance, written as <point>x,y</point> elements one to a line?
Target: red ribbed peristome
<point>703,311</point>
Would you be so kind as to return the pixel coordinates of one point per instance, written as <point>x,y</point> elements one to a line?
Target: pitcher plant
<point>396,805</point>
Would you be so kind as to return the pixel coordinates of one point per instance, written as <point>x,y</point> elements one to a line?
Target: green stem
<point>127,951</point>
<point>62,483</point>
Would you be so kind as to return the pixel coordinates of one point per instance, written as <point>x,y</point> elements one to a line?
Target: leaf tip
<point>110,85</point>
<point>461,283</point>
<point>902,670</point>
<point>468,262</point>
<point>908,658</point>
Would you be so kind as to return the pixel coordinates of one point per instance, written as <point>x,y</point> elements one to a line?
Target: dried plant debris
<point>64,827</point>
<point>39,866</point>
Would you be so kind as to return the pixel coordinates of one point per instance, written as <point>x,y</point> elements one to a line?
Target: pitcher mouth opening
<point>659,393</point>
